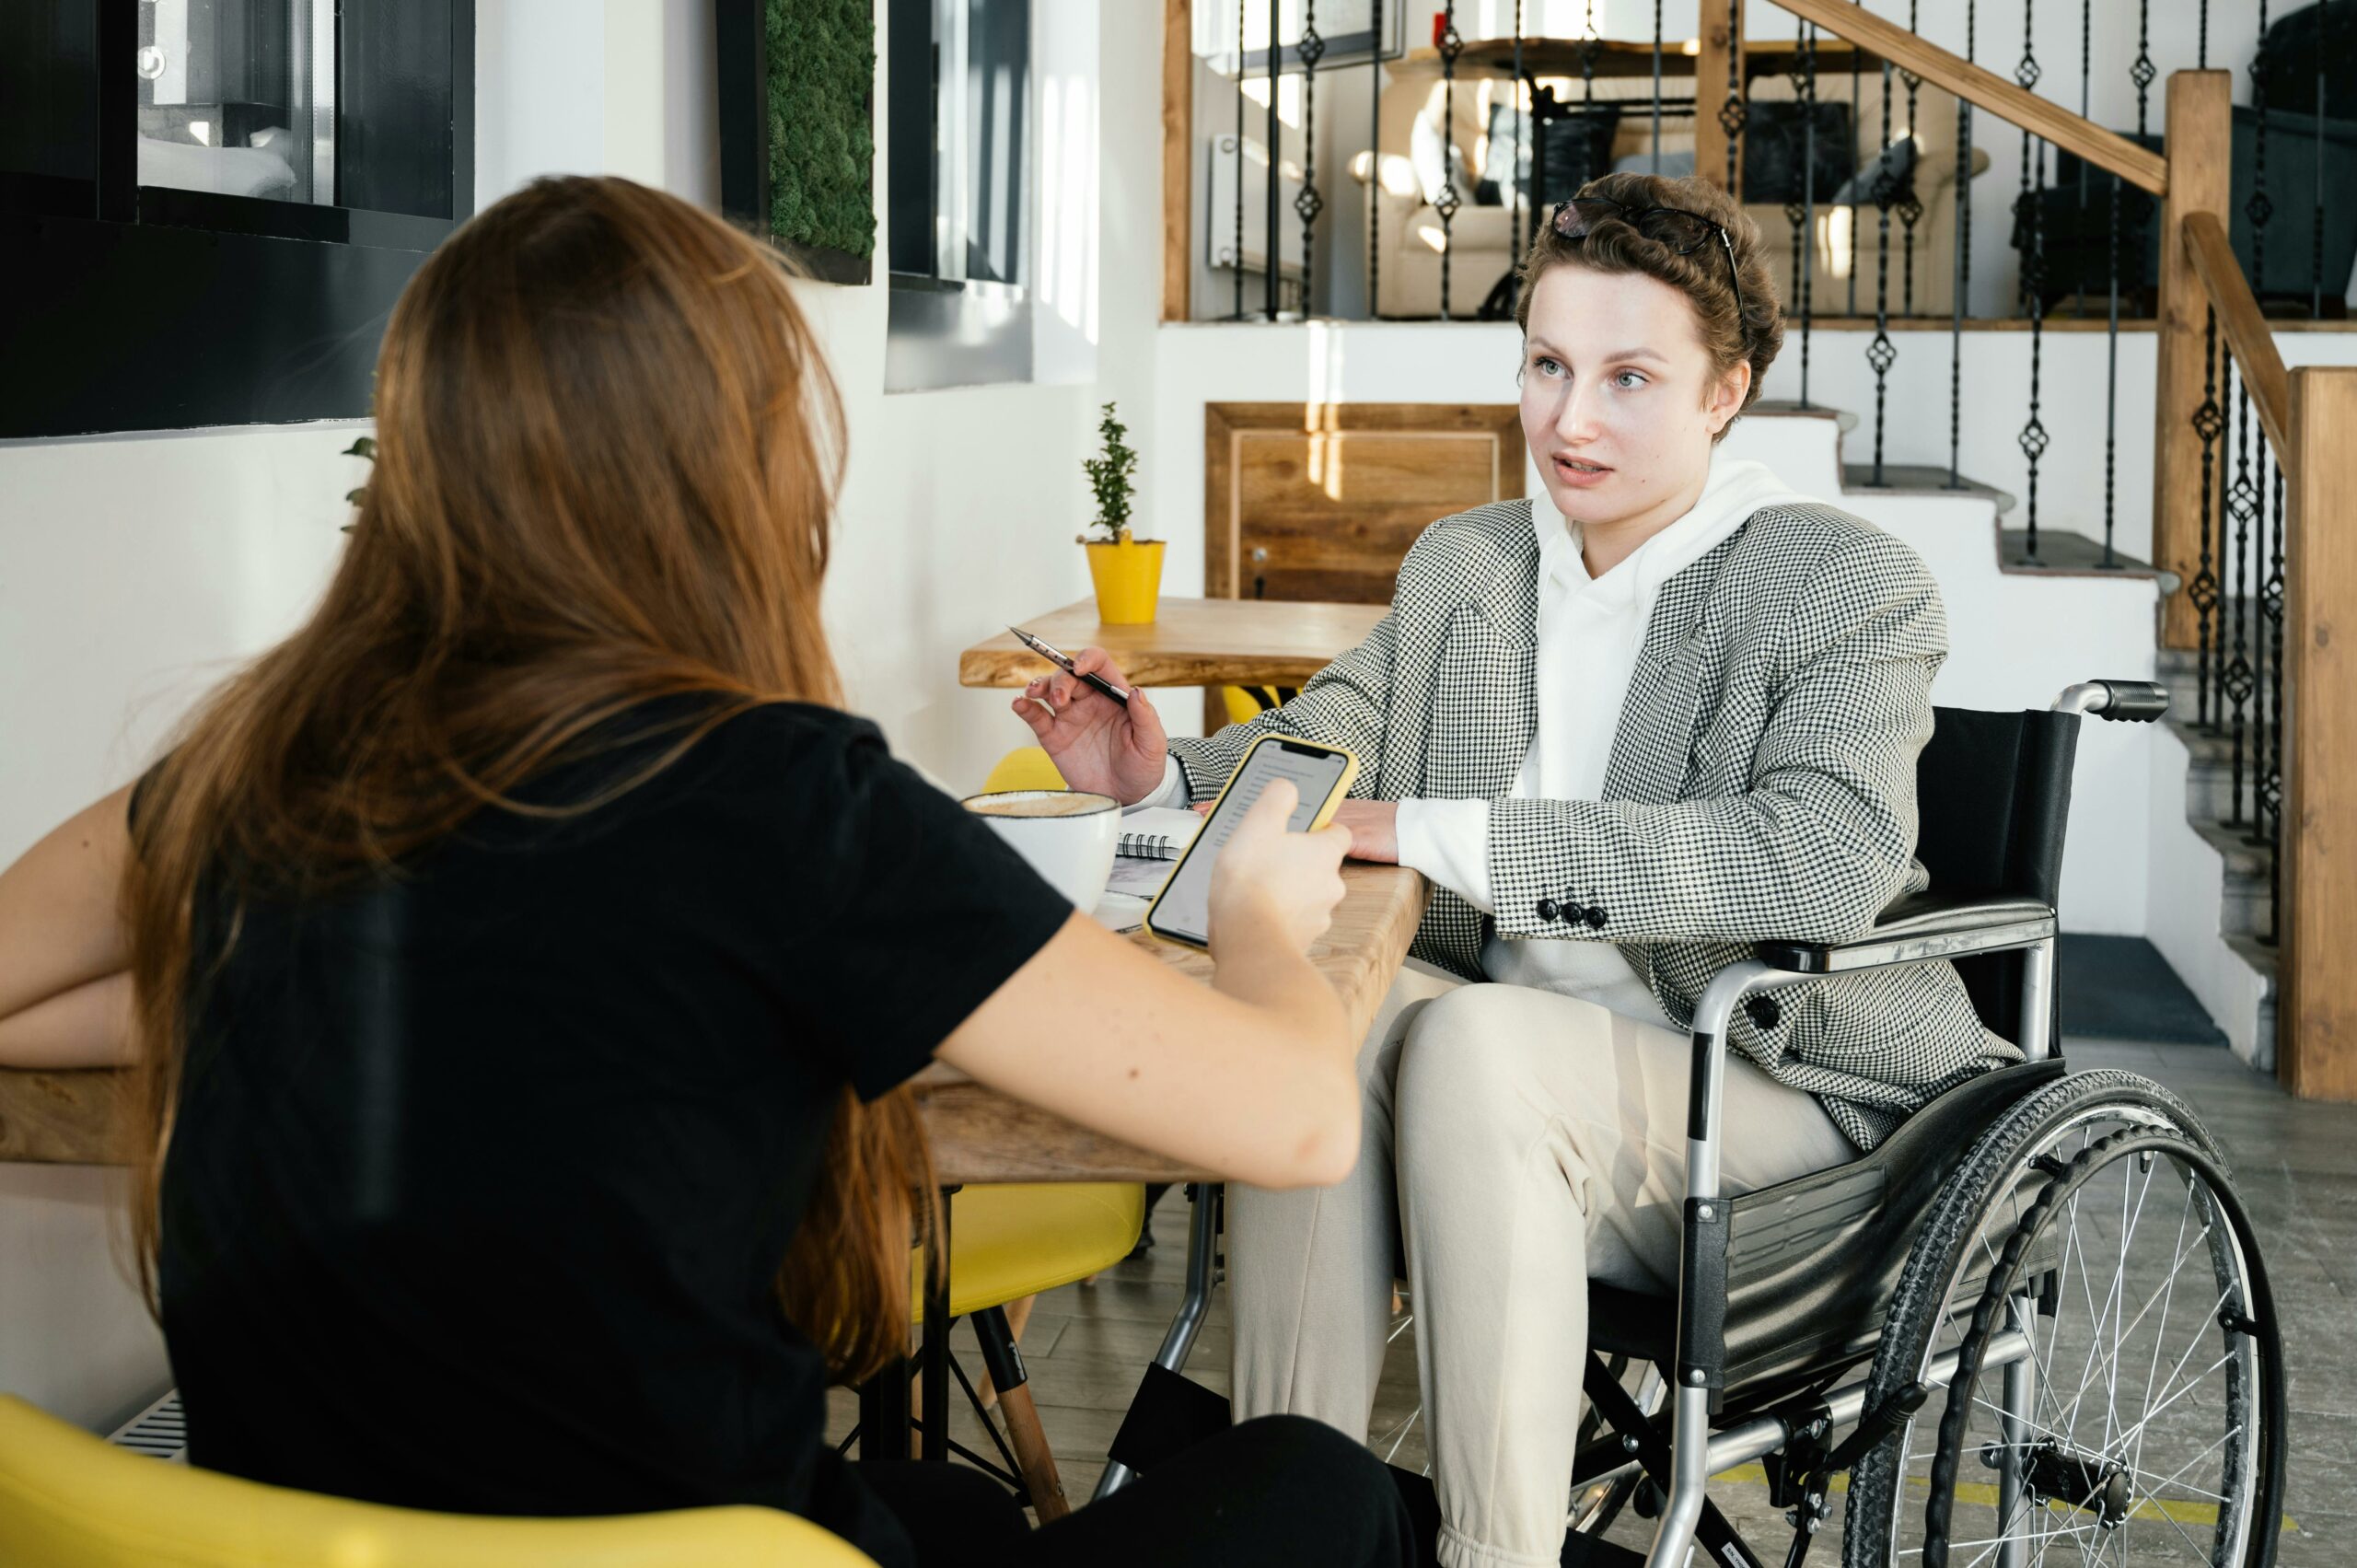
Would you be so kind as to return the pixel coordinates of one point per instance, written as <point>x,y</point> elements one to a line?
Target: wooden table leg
<point>1033,1458</point>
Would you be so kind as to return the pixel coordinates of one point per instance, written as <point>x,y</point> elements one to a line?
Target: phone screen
<point>1185,909</point>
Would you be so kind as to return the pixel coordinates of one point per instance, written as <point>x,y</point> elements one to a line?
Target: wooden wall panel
<point>1321,501</point>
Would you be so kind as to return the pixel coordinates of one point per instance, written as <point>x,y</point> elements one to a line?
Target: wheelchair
<point>2032,1326</point>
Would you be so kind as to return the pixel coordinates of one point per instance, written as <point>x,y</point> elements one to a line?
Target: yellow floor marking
<point>1974,1492</point>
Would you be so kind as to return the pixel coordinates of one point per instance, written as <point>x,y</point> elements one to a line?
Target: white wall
<point>136,569</point>
<point>132,573</point>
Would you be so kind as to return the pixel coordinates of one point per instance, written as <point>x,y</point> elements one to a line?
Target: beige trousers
<point>1521,1142</point>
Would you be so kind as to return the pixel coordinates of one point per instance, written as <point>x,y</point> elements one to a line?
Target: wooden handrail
<point>2246,335</point>
<point>1988,90</point>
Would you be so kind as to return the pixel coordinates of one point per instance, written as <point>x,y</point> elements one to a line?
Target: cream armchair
<point>1409,235</point>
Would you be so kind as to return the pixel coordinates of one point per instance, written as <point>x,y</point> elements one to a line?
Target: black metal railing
<point>2072,238</point>
<point>2030,242</point>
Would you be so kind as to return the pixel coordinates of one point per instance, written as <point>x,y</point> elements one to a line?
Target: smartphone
<point>1320,776</point>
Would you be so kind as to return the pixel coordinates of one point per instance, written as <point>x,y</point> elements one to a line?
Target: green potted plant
<point>1126,570</point>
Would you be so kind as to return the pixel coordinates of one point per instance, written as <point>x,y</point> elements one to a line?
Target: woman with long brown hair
<point>519,964</point>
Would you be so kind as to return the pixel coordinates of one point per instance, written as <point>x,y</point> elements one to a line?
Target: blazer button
<point>1596,917</point>
<point>1549,908</point>
<point>1763,1012</point>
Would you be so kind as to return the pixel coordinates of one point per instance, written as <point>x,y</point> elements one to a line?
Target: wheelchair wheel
<point>2117,1390</point>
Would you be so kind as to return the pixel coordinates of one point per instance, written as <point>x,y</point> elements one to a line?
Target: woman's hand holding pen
<point>1097,743</point>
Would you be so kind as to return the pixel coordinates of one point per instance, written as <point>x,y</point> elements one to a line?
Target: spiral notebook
<point>1158,832</point>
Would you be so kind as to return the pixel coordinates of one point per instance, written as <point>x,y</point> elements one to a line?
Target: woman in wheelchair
<point>1668,712</point>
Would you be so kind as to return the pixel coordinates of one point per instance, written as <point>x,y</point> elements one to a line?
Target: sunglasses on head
<point>1681,231</point>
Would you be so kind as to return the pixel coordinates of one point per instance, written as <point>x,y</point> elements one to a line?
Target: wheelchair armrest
<point>1919,928</point>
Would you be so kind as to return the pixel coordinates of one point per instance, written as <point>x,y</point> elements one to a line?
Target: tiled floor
<point>2295,1165</point>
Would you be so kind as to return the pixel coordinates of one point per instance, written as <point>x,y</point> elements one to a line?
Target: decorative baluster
<point>2251,607</point>
<point>1910,210</point>
<point>2141,74</point>
<point>1656,86</point>
<point>2031,238</point>
<point>1963,262</point>
<point>1518,243</point>
<point>1446,202</point>
<point>1591,46</point>
<point>1374,154</point>
<point>1851,306</point>
<point>2259,209</point>
<point>2087,79</point>
<point>1239,160</point>
<point>2271,777</point>
<point>1804,214</point>
<point>2316,229</point>
<point>1735,111</point>
<point>2242,503</point>
<point>1276,162</point>
<point>2210,422</point>
<point>1308,203</point>
<point>1880,354</point>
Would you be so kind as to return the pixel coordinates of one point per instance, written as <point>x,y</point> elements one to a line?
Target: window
<point>959,165</point>
<point>208,207</point>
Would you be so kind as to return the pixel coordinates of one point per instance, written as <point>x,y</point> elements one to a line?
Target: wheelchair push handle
<point>2133,701</point>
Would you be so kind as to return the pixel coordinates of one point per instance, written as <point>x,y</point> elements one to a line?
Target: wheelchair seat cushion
<point>1812,1262</point>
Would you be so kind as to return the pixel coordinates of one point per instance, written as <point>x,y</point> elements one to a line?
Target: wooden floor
<point>2295,1165</point>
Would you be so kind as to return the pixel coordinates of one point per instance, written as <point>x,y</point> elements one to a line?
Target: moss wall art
<point>821,127</point>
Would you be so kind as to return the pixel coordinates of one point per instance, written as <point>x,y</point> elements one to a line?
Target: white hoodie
<point>1587,637</point>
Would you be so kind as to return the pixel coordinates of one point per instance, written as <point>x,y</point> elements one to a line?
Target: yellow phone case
<point>1325,815</point>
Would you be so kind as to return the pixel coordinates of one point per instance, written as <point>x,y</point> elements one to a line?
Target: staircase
<point>2217,931</point>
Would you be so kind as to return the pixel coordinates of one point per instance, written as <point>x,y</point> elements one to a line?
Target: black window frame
<point>126,308</point>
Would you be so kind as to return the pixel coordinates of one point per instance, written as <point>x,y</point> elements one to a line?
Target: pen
<point>1057,657</point>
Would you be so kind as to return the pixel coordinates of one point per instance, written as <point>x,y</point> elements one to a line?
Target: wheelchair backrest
<point>1993,801</point>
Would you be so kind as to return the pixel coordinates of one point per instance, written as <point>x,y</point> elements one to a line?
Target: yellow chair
<point>1027,767</point>
<point>1008,1244</point>
<point>1245,703</point>
<point>69,1500</point>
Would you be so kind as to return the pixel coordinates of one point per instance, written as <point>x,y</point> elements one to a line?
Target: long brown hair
<point>607,451</point>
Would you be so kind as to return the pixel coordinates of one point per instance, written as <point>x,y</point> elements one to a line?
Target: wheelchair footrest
<point>1168,1415</point>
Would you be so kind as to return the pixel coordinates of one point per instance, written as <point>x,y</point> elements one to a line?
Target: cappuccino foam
<point>1037,803</point>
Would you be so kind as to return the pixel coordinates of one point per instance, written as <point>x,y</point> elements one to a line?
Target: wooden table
<point>1191,642</point>
<point>979,1134</point>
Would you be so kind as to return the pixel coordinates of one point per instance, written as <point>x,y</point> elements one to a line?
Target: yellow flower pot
<point>1129,580</point>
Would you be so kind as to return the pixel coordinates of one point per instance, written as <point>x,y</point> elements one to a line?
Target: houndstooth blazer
<point>1762,783</point>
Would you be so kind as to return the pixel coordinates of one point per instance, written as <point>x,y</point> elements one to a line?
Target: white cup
<point>1068,836</point>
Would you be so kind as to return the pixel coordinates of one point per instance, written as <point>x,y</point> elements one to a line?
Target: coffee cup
<point>1068,836</point>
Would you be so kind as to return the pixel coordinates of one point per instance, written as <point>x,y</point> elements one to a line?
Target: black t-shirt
<point>482,1174</point>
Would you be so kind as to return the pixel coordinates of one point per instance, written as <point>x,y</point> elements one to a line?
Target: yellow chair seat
<point>69,1500</point>
<point>1025,767</point>
<point>1009,1242</point>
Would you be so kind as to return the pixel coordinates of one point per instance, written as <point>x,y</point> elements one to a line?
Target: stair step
<point>2213,749</point>
<point>2062,554</point>
<point>2246,862</point>
<point>1920,479</point>
<point>2258,955</point>
<point>1791,410</point>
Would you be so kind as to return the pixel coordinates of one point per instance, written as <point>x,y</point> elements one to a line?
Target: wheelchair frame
<point>1961,929</point>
